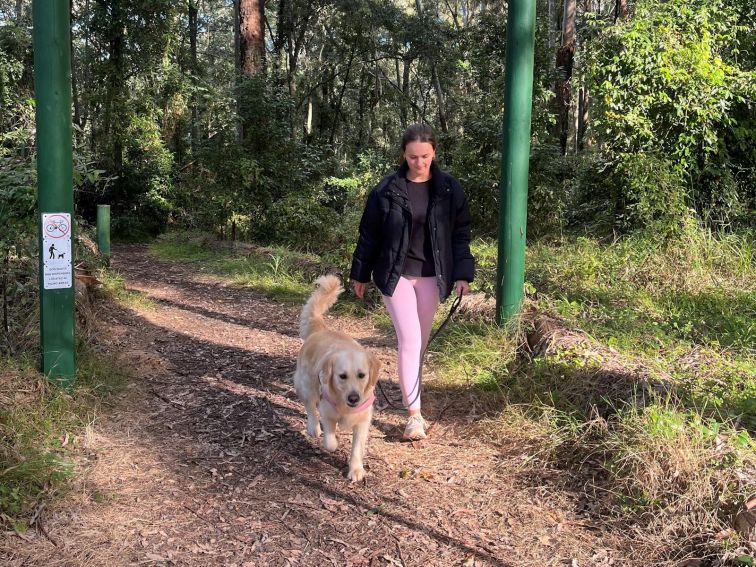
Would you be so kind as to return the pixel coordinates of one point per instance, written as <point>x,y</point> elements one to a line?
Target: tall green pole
<point>52,85</point>
<point>518,103</point>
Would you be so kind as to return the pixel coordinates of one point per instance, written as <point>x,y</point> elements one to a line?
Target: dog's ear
<point>325,371</point>
<point>375,370</point>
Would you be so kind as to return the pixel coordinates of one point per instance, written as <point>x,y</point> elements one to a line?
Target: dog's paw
<point>313,430</point>
<point>330,443</point>
<point>356,474</point>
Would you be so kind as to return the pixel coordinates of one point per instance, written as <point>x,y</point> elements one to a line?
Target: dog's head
<point>349,375</point>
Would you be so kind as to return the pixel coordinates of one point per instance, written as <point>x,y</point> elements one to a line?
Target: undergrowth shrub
<point>303,223</point>
<point>140,196</point>
<point>648,192</point>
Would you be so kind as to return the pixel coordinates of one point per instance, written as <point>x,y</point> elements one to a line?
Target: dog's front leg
<point>359,445</point>
<point>313,424</point>
<point>330,443</point>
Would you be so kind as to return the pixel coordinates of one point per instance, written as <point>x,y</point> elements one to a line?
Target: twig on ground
<point>166,400</point>
<point>36,520</point>
<point>399,552</point>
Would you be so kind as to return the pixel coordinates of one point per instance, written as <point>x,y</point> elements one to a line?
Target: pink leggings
<point>411,309</point>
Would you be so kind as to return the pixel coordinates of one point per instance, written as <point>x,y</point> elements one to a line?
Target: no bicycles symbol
<point>56,226</point>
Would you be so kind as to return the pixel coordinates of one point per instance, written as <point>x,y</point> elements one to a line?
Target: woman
<point>415,243</point>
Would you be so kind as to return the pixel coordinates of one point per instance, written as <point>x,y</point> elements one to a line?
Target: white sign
<point>57,272</point>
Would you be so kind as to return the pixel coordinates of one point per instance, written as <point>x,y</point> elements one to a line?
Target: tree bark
<point>564,60</point>
<point>238,68</point>
<point>194,128</point>
<point>583,102</point>
<point>252,36</point>
<point>439,99</point>
<point>116,82</point>
<point>551,16</point>
<point>620,9</point>
<point>361,104</point>
<point>435,80</point>
<point>74,82</point>
<point>337,115</point>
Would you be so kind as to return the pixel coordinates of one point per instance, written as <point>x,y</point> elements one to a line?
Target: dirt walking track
<point>205,460</point>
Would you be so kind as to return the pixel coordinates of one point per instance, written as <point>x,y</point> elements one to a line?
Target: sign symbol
<point>57,226</point>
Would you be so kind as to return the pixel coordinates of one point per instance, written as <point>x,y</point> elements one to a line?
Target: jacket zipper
<point>403,202</point>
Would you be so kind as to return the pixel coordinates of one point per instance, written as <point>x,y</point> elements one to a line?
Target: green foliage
<point>667,82</point>
<point>550,190</point>
<point>298,221</point>
<point>647,192</point>
<point>140,195</point>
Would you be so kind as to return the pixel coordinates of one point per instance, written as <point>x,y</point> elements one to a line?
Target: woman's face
<point>419,156</point>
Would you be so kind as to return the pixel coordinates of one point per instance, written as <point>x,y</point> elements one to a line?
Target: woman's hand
<point>461,287</point>
<point>359,288</point>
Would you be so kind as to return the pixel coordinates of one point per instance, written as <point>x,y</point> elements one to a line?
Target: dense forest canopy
<point>275,117</point>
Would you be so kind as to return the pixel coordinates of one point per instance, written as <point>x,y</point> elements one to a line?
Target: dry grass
<point>41,425</point>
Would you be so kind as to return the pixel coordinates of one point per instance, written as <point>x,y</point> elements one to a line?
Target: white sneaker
<point>415,428</point>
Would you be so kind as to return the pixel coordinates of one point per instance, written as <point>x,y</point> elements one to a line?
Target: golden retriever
<point>335,377</point>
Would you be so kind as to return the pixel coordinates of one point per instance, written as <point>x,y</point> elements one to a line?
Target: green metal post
<point>52,81</point>
<point>518,103</point>
<point>103,231</point>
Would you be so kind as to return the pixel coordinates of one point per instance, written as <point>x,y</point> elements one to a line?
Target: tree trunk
<point>620,9</point>
<point>194,128</point>
<point>237,66</point>
<point>434,78</point>
<point>406,87</point>
<point>74,82</point>
<point>552,16</point>
<point>583,102</point>
<point>439,99</point>
<point>116,82</point>
<point>252,36</point>
<point>337,115</point>
<point>361,112</point>
<point>564,61</point>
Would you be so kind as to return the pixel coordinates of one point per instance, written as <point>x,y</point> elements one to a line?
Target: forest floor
<point>205,459</point>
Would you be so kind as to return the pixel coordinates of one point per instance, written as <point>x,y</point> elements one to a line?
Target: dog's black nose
<point>353,398</point>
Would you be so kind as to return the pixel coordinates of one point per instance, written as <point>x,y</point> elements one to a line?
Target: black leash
<point>419,384</point>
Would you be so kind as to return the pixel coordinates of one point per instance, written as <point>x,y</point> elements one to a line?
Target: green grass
<point>114,286</point>
<point>686,309</point>
<point>277,274</point>
<point>41,426</point>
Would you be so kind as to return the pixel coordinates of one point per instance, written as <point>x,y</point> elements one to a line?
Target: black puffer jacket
<point>385,232</point>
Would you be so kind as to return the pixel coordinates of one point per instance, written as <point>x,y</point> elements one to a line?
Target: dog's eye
<point>343,376</point>
<point>360,375</point>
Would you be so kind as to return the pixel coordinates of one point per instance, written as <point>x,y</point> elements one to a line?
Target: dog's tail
<point>327,292</point>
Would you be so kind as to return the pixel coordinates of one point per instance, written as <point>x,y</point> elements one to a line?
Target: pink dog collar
<point>362,407</point>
